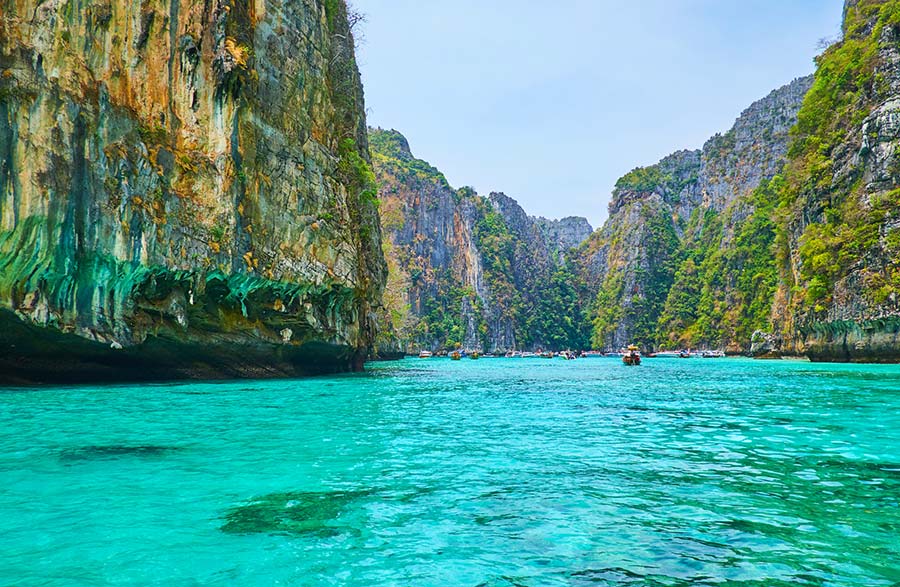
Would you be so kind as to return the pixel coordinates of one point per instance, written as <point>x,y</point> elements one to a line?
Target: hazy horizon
<point>552,107</point>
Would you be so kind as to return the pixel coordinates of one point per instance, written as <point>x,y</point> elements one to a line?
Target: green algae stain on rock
<point>293,513</point>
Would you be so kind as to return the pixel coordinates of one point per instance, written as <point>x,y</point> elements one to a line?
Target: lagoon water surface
<point>496,472</point>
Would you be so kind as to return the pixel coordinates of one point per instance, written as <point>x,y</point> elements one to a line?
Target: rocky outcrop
<point>563,235</point>
<point>184,191</point>
<point>735,163</point>
<point>839,295</point>
<point>646,262</point>
<point>471,271</point>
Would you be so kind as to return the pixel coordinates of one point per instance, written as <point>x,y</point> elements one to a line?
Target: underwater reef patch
<point>293,513</point>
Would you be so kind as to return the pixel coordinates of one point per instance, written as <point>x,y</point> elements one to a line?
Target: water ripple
<point>478,473</point>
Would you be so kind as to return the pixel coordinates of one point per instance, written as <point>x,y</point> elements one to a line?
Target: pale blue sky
<point>551,102</point>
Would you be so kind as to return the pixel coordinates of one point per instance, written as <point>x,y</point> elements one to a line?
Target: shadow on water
<point>115,451</point>
<point>293,513</point>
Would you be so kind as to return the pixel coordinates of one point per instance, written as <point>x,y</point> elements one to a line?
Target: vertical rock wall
<point>839,297</point>
<point>185,175</point>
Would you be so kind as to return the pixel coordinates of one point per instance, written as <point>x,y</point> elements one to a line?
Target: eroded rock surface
<point>180,185</point>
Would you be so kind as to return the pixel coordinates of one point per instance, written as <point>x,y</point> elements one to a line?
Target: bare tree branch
<point>356,18</point>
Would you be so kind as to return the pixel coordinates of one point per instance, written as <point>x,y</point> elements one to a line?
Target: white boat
<point>425,354</point>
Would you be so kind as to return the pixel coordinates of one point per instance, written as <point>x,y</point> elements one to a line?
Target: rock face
<point>839,295</point>
<point>735,163</point>
<point>564,234</point>
<point>184,191</point>
<point>656,255</point>
<point>471,271</point>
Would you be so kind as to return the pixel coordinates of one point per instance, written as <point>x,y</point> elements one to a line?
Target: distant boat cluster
<point>688,354</point>
<point>630,355</point>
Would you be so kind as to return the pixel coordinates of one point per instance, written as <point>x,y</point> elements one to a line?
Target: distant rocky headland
<point>192,191</point>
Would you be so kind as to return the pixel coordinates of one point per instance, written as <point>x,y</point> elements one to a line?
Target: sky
<point>552,102</point>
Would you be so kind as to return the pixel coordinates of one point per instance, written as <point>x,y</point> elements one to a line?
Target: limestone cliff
<point>471,271</point>
<point>666,220</point>
<point>184,190</point>
<point>839,241</point>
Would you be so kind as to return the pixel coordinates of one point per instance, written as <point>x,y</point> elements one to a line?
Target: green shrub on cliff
<point>356,173</point>
<point>642,179</point>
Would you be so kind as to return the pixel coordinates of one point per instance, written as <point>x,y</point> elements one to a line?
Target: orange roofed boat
<point>632,356</point>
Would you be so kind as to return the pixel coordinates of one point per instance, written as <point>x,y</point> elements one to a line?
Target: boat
<point>684,354</point>
<point>528,355</point>
<point>425,354</point>
<point>474,355</point>
<point>455,356</point>
<point>547,355</point>
<point>668,354</point>
<point>632,356</point>
<point>713,354</point>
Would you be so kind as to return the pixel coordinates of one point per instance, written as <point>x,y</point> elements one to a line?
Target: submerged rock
<point>292,513</point>
<point>114,451</point>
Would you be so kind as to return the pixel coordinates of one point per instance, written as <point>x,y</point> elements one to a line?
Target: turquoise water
<point>496,472</point>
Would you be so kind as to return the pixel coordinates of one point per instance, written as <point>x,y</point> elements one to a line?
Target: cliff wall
<point>665,267</point>
<point>471,271</point>
<point>839,248</point>
<point>184,190</point>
